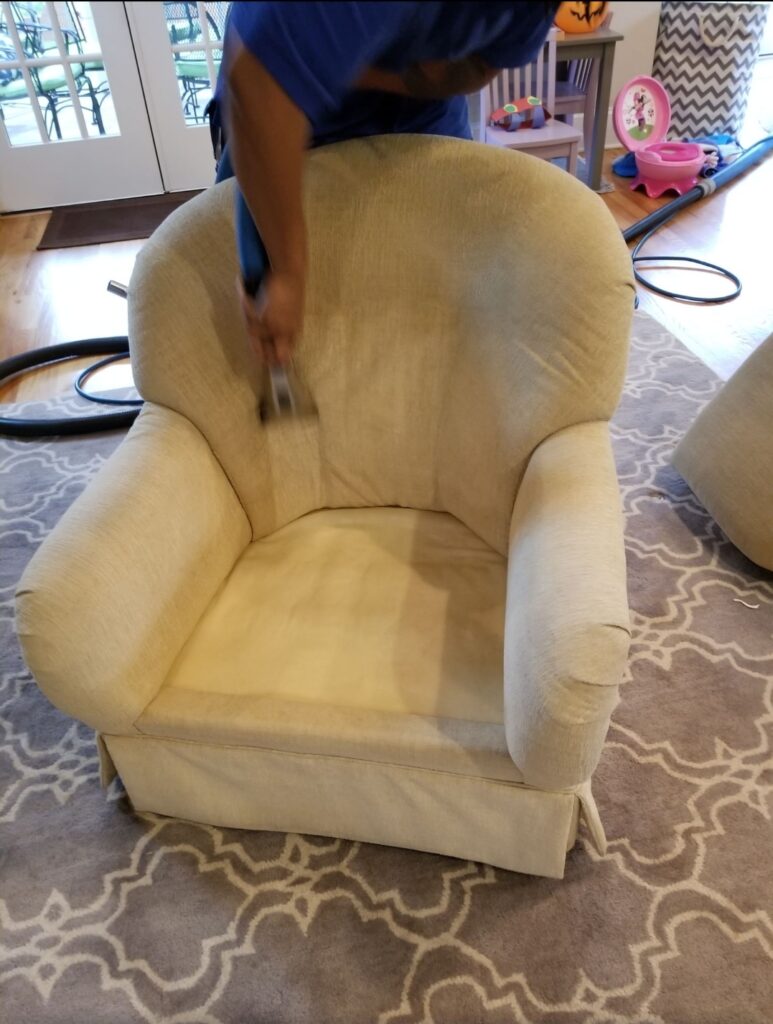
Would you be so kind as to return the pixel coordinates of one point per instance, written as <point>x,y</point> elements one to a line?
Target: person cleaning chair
<point>300,75</point>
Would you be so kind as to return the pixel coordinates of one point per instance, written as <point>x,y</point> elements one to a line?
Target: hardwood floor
<point>61,294</point>
<point>58,295</point>
<point>733,228</point>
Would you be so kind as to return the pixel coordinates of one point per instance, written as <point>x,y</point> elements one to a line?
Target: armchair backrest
<point>463,303</point>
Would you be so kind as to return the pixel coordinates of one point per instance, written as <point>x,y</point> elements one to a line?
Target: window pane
<point>77,23</point>
<point>216,15</point>
<point>53,96</point>
<point>7,53</point>
<point>36,34</point>
<point>30,26</point>
<point>96,100</point>
<point>182,22</point>
<point>193,82</point>
<point>184,25</point>
<point>54,101</point>
<point>16,113</point>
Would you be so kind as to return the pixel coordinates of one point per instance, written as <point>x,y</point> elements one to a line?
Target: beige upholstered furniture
<point>405,623</point>
<point>727,456</point>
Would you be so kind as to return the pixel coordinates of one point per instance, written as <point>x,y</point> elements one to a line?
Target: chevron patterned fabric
<point>705,56</point>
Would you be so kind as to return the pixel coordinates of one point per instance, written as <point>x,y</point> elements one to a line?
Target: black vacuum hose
<point>116,347</point>
<point>705,187</point>
<point>648,225</point>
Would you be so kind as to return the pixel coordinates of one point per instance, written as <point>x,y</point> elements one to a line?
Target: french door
<point>105,100</point>
<point>179,47</point>
<point>74,126</point>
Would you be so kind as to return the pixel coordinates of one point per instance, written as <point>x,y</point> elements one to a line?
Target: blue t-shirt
<point>316,52</point>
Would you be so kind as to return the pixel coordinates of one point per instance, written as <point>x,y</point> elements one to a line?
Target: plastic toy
<point>524,113</point>
<point>642,115</point>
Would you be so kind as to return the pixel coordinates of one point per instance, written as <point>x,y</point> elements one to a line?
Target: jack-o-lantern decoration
<point>581,17</point>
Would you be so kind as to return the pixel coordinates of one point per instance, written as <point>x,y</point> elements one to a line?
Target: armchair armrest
<point>567,626</point>
<point>114,591</point>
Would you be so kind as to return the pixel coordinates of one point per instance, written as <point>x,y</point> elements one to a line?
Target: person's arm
<point>268,136</point>
<point>291,64</point>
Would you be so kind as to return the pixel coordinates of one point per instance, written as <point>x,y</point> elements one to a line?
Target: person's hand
<point>274,317</point>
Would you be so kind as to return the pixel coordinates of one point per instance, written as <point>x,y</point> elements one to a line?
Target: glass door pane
<point>73,123</point>
<point>51,52</point>
<point>180,49</point>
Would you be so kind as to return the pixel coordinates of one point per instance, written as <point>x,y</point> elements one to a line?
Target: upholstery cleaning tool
<point>283,392</point>
<point>283,395</point>
<point>116,288</point>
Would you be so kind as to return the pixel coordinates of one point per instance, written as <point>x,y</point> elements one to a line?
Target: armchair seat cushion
<point>334,629</point>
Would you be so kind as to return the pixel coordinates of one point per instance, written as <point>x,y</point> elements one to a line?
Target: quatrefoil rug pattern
<point>112,918</point>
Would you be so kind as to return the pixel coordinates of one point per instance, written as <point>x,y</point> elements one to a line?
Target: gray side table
<point>600,46</point>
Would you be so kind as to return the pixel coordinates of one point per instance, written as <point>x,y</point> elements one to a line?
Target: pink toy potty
<point>642,115</point>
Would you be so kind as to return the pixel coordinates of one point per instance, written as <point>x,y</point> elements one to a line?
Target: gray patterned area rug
<point>114,918</point>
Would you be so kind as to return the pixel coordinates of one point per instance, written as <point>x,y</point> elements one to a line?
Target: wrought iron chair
<point>50,83</point>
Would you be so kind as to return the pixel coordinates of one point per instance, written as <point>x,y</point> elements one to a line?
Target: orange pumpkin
<point>581,17</point>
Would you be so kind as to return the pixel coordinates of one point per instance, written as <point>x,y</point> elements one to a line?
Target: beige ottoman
<point>727,457</point>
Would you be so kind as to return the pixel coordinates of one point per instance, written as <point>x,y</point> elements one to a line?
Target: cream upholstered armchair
<point>405,622</point>
<point>727,456</point>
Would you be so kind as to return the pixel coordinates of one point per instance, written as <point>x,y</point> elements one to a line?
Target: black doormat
<point>113,221</point>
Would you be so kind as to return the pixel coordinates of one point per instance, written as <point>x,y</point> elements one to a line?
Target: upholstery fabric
<point>463,304</point>
<point>380,608</point>
<point>106,602</point>
<point>566,567</point>
<point>727,456</point>
<point>357,633</point>
<point>453,745</point>
<point>404,622</point>
<point>508,825</point>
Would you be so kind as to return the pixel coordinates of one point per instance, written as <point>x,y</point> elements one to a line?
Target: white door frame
<point>56,173</point>
<point>184,150</point>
